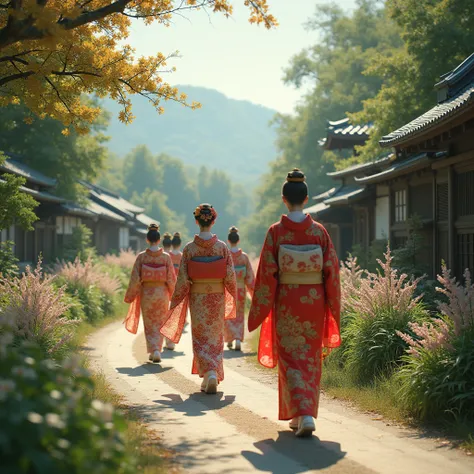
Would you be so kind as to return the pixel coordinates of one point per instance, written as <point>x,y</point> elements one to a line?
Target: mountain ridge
<point>228,134</point>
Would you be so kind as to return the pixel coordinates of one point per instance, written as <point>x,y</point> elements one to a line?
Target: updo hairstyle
<point>176,240</point>
<point>167,241</point>
<point>295,189</point>
<point>153,234</point>
<point>205,215</point>
<point>233,236</point>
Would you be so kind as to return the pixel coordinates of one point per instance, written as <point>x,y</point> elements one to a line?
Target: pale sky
<point>242,61</point>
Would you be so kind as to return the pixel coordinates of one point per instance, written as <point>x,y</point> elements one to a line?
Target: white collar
<point>234,249</point>
<point>154,248</point>
<point>175,252</point>
<point>296,216</point>
<point>205,235</point>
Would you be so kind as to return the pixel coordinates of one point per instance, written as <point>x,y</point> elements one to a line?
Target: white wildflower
<point>56,395</point>
<point>29,361</point>
<point>35,418</point>
<point>55,421</point>
<point>63,443</point>
<point>97,405</point>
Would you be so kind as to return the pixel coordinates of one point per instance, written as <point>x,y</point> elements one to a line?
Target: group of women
<point>295,300</point>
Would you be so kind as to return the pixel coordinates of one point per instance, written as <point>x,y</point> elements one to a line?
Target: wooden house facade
<point>432,175</point>
<point>115,223</point>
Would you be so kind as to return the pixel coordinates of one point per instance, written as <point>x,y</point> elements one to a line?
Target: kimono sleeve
<point>332,288</point>
<point>249,276</point>
<point>182,283</point>
<point>170,276</point>
<point>265,283</point>
<point>134,285</point>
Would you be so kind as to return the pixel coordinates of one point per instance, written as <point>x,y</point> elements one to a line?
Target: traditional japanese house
<point>47,238</point>
<point>432,175</point>
<point>352,212</point>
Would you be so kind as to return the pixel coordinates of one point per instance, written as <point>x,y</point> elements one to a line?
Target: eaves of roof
<point>16,167</point>
<point>352,170</point>
<point>346,194</point>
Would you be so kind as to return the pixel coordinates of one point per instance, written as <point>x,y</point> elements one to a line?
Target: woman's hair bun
<point>177,234</point>
<point>233,236</point>
<point>166,235</point>
<point>205,213</point>
<point>295,176</point>
<point>153,226</point>
<point>233,230</point>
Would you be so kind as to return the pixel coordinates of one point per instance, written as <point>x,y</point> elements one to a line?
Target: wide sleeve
<point>230,284</point>
<point>134,285</point>
<point>170,277</point>
<point>249,276</point>
<point>174,324</point>
<point>265,283</point>
<point>332,288</point>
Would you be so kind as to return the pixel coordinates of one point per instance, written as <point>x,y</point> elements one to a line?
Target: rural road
<point>236,431</point>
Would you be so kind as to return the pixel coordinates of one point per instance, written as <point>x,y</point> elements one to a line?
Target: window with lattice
<point>400,208</point>
<point>465,194</point>
<point>442,208</point>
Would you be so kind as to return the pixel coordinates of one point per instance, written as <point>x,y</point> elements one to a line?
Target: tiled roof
<point>344,128</point>
<point>145,220</point>
<point>15,167</point>
<point>40,195</point>
<point>352,170</point>
<point>345,194</point>
<point>77,210</point>
<point>438,114</point>
<point>101,211</point>
<point>398,167</point>
<point>325,195</point>
<point>317,208</point>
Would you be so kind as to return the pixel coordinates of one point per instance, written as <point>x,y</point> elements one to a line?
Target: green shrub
<point>48,424</point>
<point>8,261</point>
<point>79,245</point>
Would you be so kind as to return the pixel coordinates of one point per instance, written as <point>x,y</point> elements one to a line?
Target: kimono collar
<point>303,225</point>
<point>154,253</point>
<point>236,253</point>
<point>205,243</point>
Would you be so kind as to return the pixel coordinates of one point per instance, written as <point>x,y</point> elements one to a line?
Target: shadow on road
<point>231,354</point>
<point>311,453</point>
<point>138,371</point>
<point>189,406</point>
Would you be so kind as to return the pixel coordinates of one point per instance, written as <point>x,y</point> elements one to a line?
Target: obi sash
<point>240,274</point>
<point>153,273</point>
<point>207,274</point>
<point>300,264</point>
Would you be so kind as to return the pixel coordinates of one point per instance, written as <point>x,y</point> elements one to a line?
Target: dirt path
<point>236,431</point>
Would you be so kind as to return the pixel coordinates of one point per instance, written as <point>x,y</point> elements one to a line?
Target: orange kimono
<point>234,328</point>
<point>151,286</point>
<point>176,259</point>
<point>210,300</point>
<point>297,302</point>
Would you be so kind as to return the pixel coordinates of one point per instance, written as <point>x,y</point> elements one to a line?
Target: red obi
<point>207,270</point>
<point>153,272</point>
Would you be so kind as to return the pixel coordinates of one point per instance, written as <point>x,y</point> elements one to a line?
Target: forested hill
<point>226,134</point>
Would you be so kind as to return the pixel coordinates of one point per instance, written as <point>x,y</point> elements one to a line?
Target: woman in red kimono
<point>151,286</point>
<point>234,328</point>
<point>206,283</point>
<point>175,253</point>
<point>297,302</point>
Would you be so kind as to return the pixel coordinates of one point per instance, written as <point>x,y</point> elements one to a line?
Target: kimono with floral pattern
<point>235,328</point>
<point>208,311</point>
<point>298,321</point>
<point>176,259</point>
<point>153,301</point>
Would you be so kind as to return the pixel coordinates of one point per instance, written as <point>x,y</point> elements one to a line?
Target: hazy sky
<point>241,60</point>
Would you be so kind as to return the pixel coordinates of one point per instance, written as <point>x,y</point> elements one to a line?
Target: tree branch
<point>14,77</point>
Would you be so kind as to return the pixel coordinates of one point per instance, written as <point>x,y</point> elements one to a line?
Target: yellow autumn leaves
<point>52,53</point>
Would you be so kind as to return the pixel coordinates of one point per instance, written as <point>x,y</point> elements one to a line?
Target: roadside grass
<point>142,443</point>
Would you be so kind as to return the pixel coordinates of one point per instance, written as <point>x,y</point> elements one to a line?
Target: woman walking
<point>151,286</point>
<point>206,283</point>
<point>234,328</point>
<point>175,254</point>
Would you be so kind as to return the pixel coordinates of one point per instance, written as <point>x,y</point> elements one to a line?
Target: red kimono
<point>208,309</point>
<point>298,320</point>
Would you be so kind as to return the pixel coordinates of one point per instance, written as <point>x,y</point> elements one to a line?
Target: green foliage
<point>8,261</point>
<point>43,146</point>
<point>439,383</point>
<point>367,259</point>
<point>48,422</point>
<point>224,134</point>
<point>334,67</point>
<point>15,206</point>
<point>437,36</point>
<point>407,258</point>
<point>373,347</point>
<point>79,245</point>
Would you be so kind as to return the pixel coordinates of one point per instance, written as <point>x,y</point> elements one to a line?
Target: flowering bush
<point>36,310</point>
<point>48,423</point>
<point>438,376</point>
<point>375,307</point>
<point>96,290</point>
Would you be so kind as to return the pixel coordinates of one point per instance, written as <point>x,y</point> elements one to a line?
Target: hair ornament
<point>205,212</point>
<point>296,176</point>
<point>153,226</point>
<point>233,230</point>
<point>177,234</point>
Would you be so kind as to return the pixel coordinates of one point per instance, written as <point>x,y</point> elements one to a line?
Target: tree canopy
<point>54,51</point>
